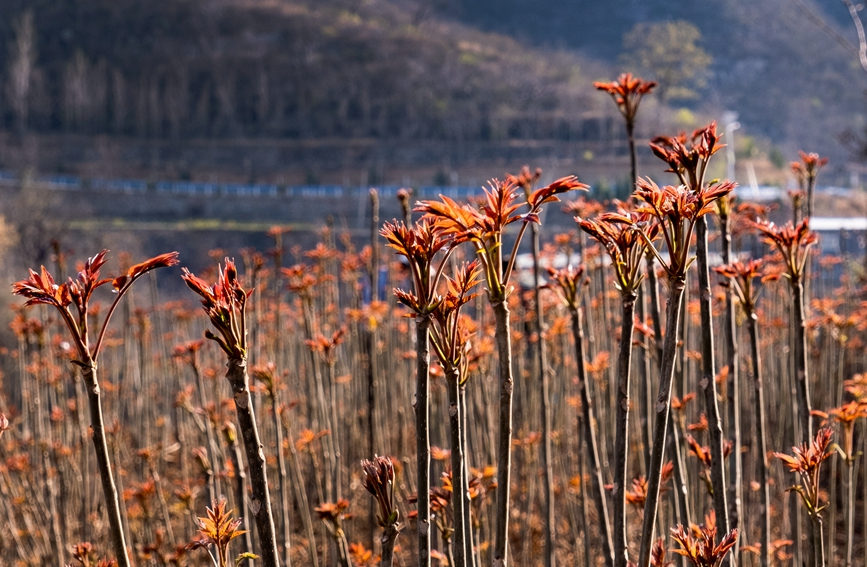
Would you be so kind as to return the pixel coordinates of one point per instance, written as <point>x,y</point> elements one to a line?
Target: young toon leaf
<point>135,272</point>
<point>627,92</point>
<point>699,548</point>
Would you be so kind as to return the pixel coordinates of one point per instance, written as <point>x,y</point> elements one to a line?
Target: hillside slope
<point>410,69</point>
<point>787,79</point>
<point>286,68</point>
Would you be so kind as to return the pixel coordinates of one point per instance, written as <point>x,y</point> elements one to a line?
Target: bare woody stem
<point>301,495</point>
<point>342,548</point>
<point>51,490</point>
<point>370,336</point>
<point>374,245</point>
<point>103,463</point>
<point>808,205</point>
<point>802,429</point>
<point>652,280</point>
<point>261,499</point>
<point>708,384</point>
<point>334,422</point>
<point>468,502</point>
<point>459,487</point>
<point>240,488</point>
<point>599,496</point>
<point>323,412</point>
<point>818,540</point>
<point>663,412</point>
<point>422,436</point>
<point>802,377</point>
<point>504,441</point>
<point>850,509</point>
<point>733,402</point>
<point>645,379</point>
<point>209,430</point>
<point>387,541</point>
<point>284,482</point>
<point>653,286</point>
<point>864,483</point>
<point>680,477</point>
<point>542,361</point>
<point>764,467</point>
<point>370,367</point>
<point>633,165</point>
<point>621,436</point>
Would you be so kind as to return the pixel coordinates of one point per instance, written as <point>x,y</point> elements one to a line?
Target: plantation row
<point>633,405</point>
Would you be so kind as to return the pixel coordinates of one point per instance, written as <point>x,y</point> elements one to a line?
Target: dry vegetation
<point>470,419</point>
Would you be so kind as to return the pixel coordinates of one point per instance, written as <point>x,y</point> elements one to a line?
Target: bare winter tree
<point>75,91</point>
<point>859,50</point>
<point>97,97</point>
<point>119,102</point>
<point>140,106</point>
<point>22,62</point>
<point>263,97</point>
<point>224,88</point>
<point>859,27</point>
<point>154,106</point>
<point>177,100</point>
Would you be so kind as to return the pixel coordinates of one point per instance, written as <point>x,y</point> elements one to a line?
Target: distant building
<point>759,193</point>
<point>841,235</point>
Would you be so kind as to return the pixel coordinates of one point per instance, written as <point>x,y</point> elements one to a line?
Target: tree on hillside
<point>855,142</point>
<point>670,53</point>
<point>861,49</point>
<point>21,65</point>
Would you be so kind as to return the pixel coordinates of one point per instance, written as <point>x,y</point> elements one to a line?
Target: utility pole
<point>730,120</point>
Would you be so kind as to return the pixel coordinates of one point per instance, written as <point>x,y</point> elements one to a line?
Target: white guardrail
<point>192,188</point>
<point>134,186</point>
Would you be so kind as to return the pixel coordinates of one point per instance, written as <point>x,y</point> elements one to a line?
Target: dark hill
<point>788,79</point>
<point>286,68</point>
